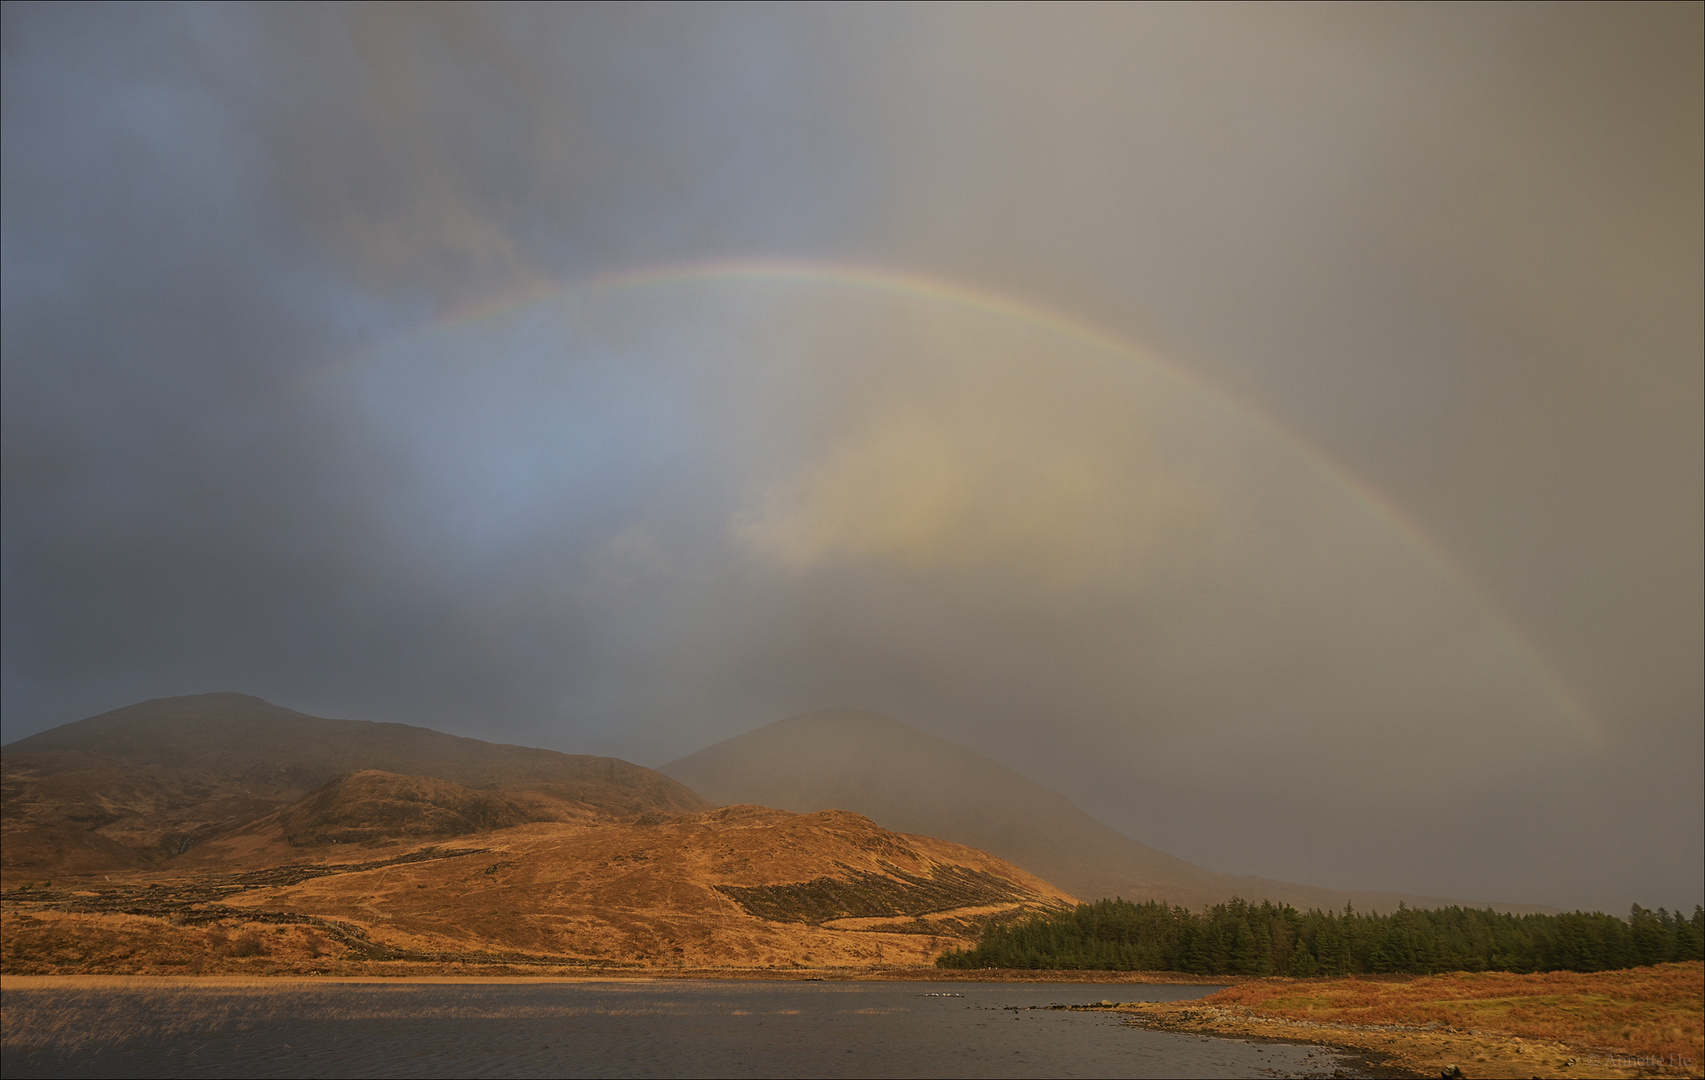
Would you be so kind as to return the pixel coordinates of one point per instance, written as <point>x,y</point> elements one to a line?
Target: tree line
<point>1240,938</point>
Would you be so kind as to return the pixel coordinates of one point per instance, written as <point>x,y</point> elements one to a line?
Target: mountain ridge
<point>180,836</point>
<point>144,784</point>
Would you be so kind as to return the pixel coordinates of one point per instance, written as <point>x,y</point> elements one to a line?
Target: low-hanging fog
<point>1278,428</point>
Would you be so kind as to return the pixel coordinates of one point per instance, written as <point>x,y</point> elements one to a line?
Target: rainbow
<point>992,304</point>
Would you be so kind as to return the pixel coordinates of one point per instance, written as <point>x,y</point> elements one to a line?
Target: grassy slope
<point>740,886</point>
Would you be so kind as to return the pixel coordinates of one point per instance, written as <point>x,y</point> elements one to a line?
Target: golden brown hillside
<point>742,886</point>
<point>368,805</point>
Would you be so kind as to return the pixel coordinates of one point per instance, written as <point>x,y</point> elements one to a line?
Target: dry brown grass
<point>676,893</point>
<point>59,943</point>
<point>1642,1013</point>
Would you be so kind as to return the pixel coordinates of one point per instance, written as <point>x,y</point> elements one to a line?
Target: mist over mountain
<point>236,736</point>
<point>156,780</point>
<point>909,781</point>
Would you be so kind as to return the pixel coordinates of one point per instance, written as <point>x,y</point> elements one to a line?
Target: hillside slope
<point>222,833</point>
<point>742,887</point>
<point>913,782</point>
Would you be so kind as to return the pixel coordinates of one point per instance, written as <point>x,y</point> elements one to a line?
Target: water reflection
<point>615,1028</point>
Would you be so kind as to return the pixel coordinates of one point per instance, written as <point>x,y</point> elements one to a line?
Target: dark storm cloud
<point>1457,248</point>
<point>205,206</point>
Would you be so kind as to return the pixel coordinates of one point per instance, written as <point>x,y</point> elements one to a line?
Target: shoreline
<point>1383,1050</point>
<point>1399,1051</point>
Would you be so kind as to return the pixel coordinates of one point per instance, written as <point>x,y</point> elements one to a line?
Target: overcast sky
<point>1276,427</point>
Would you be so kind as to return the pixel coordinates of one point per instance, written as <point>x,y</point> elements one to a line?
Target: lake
<point>620,1028</point>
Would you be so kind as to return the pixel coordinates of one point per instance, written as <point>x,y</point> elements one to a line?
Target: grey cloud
<point>1457,249</point>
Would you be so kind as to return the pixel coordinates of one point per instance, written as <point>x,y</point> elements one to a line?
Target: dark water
<point>617,1028</point>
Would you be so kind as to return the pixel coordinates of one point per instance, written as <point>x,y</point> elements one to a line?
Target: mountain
<point>148,783</point>
<point>913,782</point>
<point>267,747</point>
<point>220,833</point>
